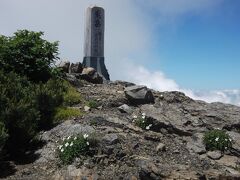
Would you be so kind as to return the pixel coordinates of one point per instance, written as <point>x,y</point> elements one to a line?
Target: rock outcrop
<point>172,148</point>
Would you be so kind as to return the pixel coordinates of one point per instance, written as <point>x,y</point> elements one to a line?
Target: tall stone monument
<point>94,40</point>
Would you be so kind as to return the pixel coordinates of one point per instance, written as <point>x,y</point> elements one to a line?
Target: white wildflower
<point>143,117</point>
<point>62,150</point>
<point>217,139</point>
<point>134,117</point>
<point>88,143</point>
<point>67,144</point>
<point>230,140</point>
<point>147,127</point>
<point>143,121</point>
<point>133,121</point>
<point>60,147</point>
<point>71,144</point>
<point>85,136</point>
<point>150,125</point>
<point>143,114</point>
<point>75,138</point>
<point>69,137</point>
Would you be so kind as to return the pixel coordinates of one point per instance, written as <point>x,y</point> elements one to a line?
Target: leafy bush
<point>63,113</point>
<point>26,107</point>
<point>73,147</point>
<point>217,140</point>
<point>71,97</point>
<point>48,97</point>
<point>17,109</point>
<point>142,122</point>
<point>27,54</point>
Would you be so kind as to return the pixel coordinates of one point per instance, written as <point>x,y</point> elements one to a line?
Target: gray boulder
<point>76,68</point>
<point>91,75</point>
<point>64,65</point>
<point>139,95</point>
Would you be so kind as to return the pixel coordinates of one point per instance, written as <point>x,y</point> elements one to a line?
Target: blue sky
<point>191,46</point>
<point>201,51</point>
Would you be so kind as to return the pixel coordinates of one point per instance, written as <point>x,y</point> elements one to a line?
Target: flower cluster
<point>73,146</point>
<point>142,122</point>
<point>217,140</point>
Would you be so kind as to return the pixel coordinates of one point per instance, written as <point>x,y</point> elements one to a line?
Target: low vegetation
<point>142,122</point>
<point>75,146</point>
<point>71,96</point>
<point>92,104</point>
<point>217,140</point>
<point>63,113</point>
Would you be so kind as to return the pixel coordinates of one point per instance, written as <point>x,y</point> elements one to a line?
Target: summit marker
<point>94,40</point>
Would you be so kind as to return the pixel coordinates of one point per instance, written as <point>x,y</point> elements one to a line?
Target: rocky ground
<point>171,149</point>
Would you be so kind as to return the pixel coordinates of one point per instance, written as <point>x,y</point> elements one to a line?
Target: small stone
<point>110,139</point>
<point>87,108</point>
<point>161,147</point>
<point>99,107</point>
<point>125,109</point>
<point>215,155</point>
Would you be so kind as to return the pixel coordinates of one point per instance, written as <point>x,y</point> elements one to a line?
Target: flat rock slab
<point>215,155</point>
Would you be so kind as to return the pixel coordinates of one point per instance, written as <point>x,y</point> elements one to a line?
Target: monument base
<point>98,64</point>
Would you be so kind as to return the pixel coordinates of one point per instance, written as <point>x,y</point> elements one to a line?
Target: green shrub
<point>72,96</point>
<point>63,113</point>
<point>27,54</point>
<point>73,147</point>
<point>3,135</point>
<point>17,109</point>
<point>217,140</point>
<point>92,104</point>
<point>48,97</point>
<point>142,122</point>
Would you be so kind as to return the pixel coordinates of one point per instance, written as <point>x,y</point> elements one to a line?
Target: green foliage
<point>142,122</point>
<point>72,96</point>
<point>217,140</point>
<point>73,147</point>
<point>63,113</point>
<point>27,54</point>
<point>48,97</point>
<point>92,104</point>
<point>3,135</point>
<point>26,107</point>
<point>17,109</point>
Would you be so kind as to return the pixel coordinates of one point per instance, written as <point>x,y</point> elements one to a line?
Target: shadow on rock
<point>6,169</point>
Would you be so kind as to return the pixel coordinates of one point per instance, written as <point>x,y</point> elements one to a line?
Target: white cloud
<point>158,81</point>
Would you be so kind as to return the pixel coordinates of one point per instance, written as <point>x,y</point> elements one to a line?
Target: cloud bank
<point>158,81</point>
